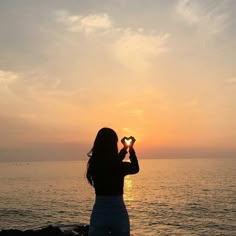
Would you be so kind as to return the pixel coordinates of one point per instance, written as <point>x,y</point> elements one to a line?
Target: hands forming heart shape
<point>128,141</point>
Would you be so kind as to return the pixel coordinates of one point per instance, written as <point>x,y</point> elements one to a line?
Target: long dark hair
<point>104,150</point>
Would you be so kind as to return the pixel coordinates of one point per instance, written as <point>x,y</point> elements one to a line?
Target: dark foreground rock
<point>80,230</point>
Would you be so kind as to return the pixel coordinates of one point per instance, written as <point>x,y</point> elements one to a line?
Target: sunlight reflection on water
<point>128,189</point>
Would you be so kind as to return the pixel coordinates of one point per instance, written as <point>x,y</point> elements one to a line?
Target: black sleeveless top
<point>108,177</point>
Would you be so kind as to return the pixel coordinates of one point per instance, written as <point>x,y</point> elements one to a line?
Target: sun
<point>128,142</point>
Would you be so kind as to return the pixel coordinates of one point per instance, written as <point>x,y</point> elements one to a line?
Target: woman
<point>105,172</point>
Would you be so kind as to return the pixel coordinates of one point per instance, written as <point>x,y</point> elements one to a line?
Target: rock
<point>49,231</point>
<point>79,230</point>
<point>11,232</point>
<point>82,230</point>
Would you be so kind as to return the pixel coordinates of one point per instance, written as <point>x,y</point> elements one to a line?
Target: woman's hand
<point>132,142</point>
<point>128,142</point>
<point>124,142</point>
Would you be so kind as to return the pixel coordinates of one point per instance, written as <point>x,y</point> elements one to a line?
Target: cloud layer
<point>133,48</point>
<point>87,24</point>
<point>208,17</point>
<point>7,77</point>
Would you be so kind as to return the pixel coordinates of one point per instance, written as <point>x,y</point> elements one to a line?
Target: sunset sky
<point>162,71</point>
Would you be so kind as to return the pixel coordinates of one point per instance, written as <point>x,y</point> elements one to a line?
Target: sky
<point>162,71</point>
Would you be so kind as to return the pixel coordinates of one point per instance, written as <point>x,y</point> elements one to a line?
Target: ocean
<point>167,196</point>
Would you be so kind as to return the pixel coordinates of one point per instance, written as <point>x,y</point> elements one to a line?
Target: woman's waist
<point>102,191</point>
<point>109,200</point>
<point>109,197</point>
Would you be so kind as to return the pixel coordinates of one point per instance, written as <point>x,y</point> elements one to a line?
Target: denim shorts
<point>109,217</point>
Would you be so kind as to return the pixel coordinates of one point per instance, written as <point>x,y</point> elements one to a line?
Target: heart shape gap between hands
<point>128,141</point>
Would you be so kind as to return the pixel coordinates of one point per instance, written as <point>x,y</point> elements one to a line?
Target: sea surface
<point>167,196</point>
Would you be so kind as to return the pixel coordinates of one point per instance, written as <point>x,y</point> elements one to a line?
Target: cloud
<point>185,11</point>
<point>127,130</point>
<point>135,49</point>
<point>231,80</point>
<point>7,77</point>
<point>7,80</point>
<point>136,112</point>
<point>87,24</point>
<point>207,16</point>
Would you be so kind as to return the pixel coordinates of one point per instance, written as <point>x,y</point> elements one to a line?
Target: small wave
<point>15,212</point>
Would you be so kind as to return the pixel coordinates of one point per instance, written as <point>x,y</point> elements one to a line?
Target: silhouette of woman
<point>105,172</point>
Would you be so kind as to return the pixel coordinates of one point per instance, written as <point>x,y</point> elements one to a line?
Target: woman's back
<point>109,178</point>
<point>105,172</point>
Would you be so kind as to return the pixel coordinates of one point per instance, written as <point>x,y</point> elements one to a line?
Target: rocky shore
<point>79,230</point>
